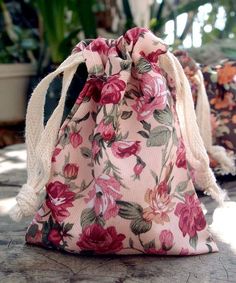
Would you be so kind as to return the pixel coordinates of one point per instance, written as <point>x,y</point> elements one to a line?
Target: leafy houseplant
<point>17,63</point>
<point>60,23</point>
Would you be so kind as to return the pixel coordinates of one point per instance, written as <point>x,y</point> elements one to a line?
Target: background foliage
<point>46,31</point>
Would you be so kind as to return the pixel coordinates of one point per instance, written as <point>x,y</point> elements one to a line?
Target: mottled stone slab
<point>21,263</point>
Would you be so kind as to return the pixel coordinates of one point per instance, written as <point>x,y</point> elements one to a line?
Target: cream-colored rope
<point>226,163</point>
<point>40,140</point>
<point>195,150</point>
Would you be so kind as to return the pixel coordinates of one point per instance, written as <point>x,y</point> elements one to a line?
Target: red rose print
<point>111,91</point>
<point>70,171</point>
<point>167,239</point>
<point>191,217</point>
<point>133,34</point>
<point>76,139</point>
<point>55,237</point>
<point>106,130</point>
<point>104,195</point>
<point>181,155</point>
<point>92,88</point>
<point>124,149</point>
<point>100,240</point>
<point>154,251</point>
<point>59,200</point>
<point>160,204</point>
<point>153,56</point>
<point>55,153</point>
<point>99,45</point>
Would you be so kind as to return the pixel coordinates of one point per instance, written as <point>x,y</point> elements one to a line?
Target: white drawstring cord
<point>195,151</point>
<point>203,119</point>
<point>40,140</point>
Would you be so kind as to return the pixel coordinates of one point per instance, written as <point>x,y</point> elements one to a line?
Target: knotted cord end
<point>28,202</point>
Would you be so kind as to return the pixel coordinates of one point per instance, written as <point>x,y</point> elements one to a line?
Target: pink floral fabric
<point>120,181</point>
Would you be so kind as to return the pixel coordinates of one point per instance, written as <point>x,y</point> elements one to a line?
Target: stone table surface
<point>22,263</point>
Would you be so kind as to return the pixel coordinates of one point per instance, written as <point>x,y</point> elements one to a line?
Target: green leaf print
<point>139,226</point>
<point>146,125</point>
<point>88,217</point>
<point>163,116</point>
<point>143,66</point>
<point>150,245</point>
<point>86,152</point>
<point>143,134</point>
<point>193,241</point>
<point>126,115</point>
<point>159,136</point>
<point>174,137</point>
<point>181,187</point>
<point>129,210</point>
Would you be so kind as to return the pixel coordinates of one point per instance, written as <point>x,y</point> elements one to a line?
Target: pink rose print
<point>181,155</point>
<point>160,204</point>
<point>59,200</point>
<point>124,149</point>
<point>104,195</point>
<point>133,34</point>
<point>100,240</point>
<point>76,139</point>
<point>106,130</point>
<point>70,171</point>
<point>111,91</point>
<point>138,168</point>
<point>167,239</point>
<point>55,154</point>
<point>55,237</point>
<point>191,217</point>
<point>184,252</point>
<point>154,96</point>
<point>95,148</point>
<point>152,87</point>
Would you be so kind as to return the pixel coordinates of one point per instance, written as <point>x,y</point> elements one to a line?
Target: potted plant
<point>17,63</point>
<point>61,24</point>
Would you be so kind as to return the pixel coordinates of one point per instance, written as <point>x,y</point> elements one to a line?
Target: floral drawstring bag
<point>119,171</point>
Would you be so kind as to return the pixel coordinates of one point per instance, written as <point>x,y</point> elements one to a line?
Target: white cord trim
<point>203,119</point>
<point>40,140</point>
<point>195,151</point>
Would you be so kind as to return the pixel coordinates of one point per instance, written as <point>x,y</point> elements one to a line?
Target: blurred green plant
<point>17,44</point>
<point>60,22</point>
